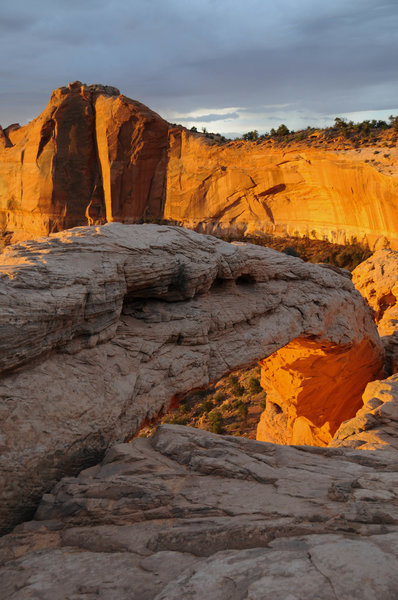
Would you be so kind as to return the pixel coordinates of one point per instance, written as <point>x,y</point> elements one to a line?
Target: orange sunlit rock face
<point>325,193</point>
<point>94,156</point>
<point>312,388</point>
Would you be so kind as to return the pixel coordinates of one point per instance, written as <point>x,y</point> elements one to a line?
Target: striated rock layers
<point>94,155</point>
<point>188,514</point>
<point>101,327</point>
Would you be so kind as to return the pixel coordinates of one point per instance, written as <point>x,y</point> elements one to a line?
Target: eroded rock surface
<point>306,399</point>
<point>188,514</point>
<point>375,425</point>
<point>377,280</point>
<point>102,327</point>
<point>334,195</point>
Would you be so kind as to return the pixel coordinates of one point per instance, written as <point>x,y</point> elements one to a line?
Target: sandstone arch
<point>101,327</point>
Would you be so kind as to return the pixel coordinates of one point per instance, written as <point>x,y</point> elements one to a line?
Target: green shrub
<point>255,385</point>
<point>177,420</point>
<point>206,406</point>
<point>219,397</point>
<point>240,407</point>
<point>291,251</point>
<point>216,422</point>
<point>237,388</point>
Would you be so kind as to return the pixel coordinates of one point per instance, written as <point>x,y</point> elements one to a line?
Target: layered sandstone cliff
<point>101,327</point>
<point>94,156</point>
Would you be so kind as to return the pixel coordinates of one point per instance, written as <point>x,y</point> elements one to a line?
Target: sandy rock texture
<point>102,327</point>
<point>377,280</point>
<point>188,514</point>
<point>307,400</point>
<point>95,156</point>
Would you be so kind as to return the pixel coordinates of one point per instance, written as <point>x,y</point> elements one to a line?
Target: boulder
<point>375,424</point>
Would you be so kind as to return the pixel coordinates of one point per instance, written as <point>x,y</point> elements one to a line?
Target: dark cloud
<point>307,58</point>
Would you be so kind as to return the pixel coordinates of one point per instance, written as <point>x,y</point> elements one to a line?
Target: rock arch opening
<point>299,395</point>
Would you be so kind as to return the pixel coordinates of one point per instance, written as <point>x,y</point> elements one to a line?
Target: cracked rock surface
<point>191,515</point>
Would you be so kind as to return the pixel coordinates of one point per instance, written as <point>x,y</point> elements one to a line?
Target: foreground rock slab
<point>188,514</point>
<point>101,328</point>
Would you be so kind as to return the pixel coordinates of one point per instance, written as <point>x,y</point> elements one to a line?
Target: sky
<point>228,65</point>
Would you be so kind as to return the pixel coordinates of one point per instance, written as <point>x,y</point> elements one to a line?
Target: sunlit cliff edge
<point>94,156</point>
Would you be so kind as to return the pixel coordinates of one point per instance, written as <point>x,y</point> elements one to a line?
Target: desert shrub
<point>251,136</point>
<point>206,406</point>
<point>216,422</point>
<point>198,394</point>
<point>254,385</point>
<point>219,397</point>
<point>237,388</point>
<point>177,420</point>
<point>291,251</point>
<point>242,409</point>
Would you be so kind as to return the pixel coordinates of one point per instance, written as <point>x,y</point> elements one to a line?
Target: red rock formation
<point>254,188</point>
<point>94,155</point>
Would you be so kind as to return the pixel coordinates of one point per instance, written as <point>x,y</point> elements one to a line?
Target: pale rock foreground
<point>102,327</point>
<point>188,515</point>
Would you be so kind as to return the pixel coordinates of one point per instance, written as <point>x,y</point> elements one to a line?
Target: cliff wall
<point>328,194</point>
<point>91,157</point>
<point>95,156</point>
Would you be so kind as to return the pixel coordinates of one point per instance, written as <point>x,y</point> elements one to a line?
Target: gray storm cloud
<point>205,55</point>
